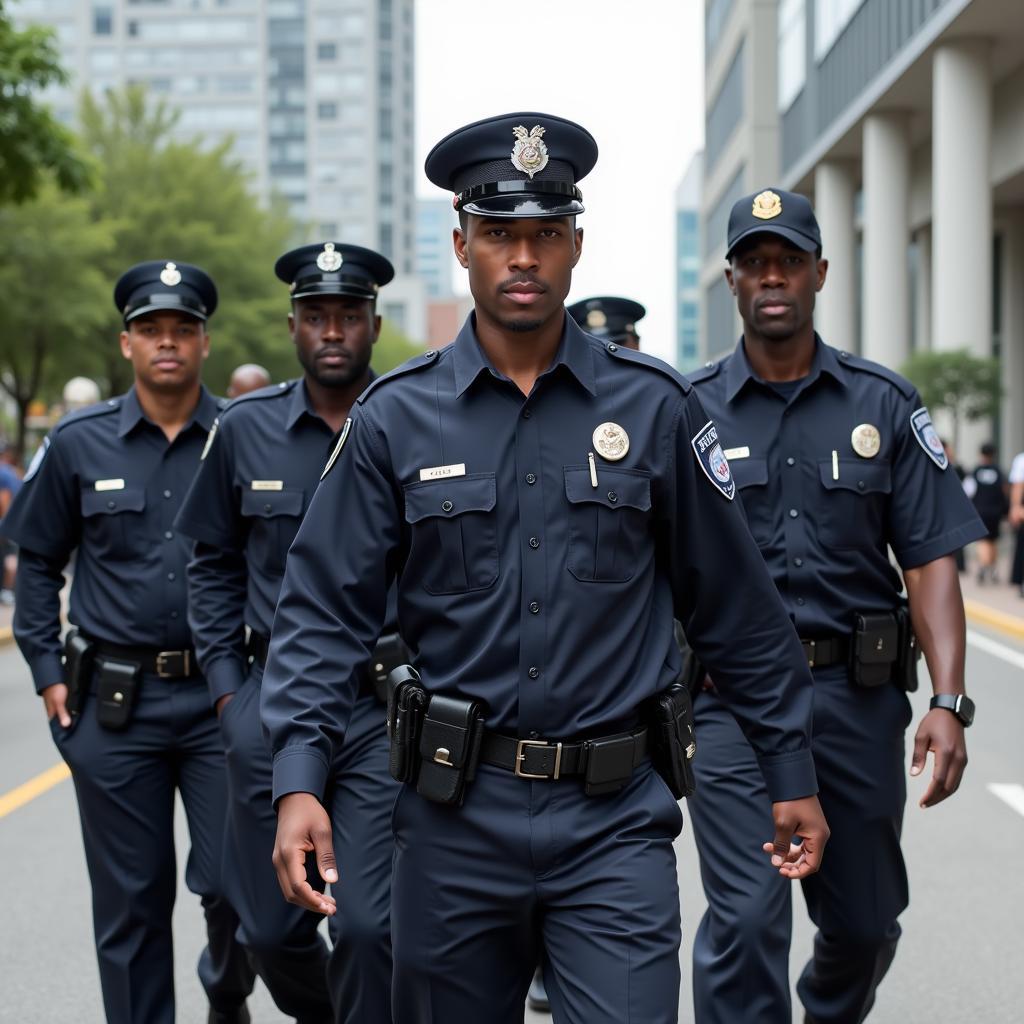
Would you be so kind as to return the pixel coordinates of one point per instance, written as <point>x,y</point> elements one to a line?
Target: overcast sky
<point>631,73</point>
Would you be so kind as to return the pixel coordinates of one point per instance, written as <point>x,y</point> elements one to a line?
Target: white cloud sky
<point>631,73</point>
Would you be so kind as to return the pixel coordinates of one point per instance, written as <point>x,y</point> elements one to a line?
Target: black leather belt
<point>547,759</point>
<point>165,664</point>
<point>830,651</point>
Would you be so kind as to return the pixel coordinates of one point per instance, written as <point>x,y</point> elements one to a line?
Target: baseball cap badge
<point>766,205</point>
<point>170,275</point>
<point>529,154</point>
<point>330,259</point>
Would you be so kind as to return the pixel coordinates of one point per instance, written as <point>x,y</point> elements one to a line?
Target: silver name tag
<point>737,453</point>
<point>440,472</point>
<point>268,485</point>
<point>109,485</point>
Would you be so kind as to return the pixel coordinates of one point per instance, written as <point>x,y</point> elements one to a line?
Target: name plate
<point>442,472</point>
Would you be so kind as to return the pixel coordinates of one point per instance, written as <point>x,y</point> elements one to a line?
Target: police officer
<point>836,460</point>
<point>247,377</point>
<point>610,318</point>
<point>545,501</point>
<point>256,480</point>
<point>138,724</point>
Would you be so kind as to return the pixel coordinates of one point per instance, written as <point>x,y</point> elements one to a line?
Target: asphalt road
<point>961,957</point>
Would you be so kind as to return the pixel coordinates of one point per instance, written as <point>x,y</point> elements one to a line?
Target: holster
<point>905,675</point>
<point>407,703</point>
<point>117,689</point>
<point>388,655</point>
<point>692,673</point>
<point>78,662</point>
<point>874,649</point>
<point>673,738</point>
<point>449,748</point>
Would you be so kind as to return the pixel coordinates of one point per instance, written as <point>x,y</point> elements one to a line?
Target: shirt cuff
<point>46,670</point>
<point>789,776</point>
<point>939,547</point>
<point>223,677</point>
<point>299,770</point>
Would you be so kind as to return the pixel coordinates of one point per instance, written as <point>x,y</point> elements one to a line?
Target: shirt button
<point>534,542</point>
<point>860,485</point>
<point>534,734</point>
<point>534,607</point>
<point>793,513</point>
<point>268,507</point>
<point>613,497</point>
<point>446,506</point>
<point>531,479</point>
<point>111,504</point>
<point>800,601</point>
<point>170,576</point>
<point>167,494</point>
<point>168,535</point>
<point>791,461</point>
<point>798,562</point>
<point>174,615</point>
<point>534,672</point>
<point>527,414</point>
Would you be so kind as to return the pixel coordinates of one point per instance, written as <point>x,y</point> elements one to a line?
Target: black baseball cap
<point>774,211</point>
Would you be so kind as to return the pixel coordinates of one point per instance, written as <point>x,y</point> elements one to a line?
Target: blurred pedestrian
<point>247,377</point>
<point>10,484</point>
<point>986,486</point>
<point>1016,481</point>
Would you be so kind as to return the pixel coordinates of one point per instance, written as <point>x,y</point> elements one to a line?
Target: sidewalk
<point>6,618</point>
<point>998,606</point>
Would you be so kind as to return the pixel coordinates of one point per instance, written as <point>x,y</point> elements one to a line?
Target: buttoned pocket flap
<point>616,488</point>
<point>449,498</point>
<point>100,503</point>
<point>856,475</point>
<point>749,472</point>
<point>266,504</point>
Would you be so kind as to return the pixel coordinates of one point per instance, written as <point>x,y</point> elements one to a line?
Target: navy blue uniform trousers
<point>741,950</point>
<point>125,782</point>
<point>351,983</point>
<point>478,890</point>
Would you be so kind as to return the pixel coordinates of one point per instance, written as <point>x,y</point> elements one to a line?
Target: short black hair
<point>988,449</point>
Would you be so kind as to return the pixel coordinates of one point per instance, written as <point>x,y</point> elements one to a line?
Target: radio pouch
<point>874,649</point>
<point>449,748</point>
<point>905,676</point>
<point>673,739</point>
<point>78,659</point>
<point>117,688</point>
<point>407,702</point>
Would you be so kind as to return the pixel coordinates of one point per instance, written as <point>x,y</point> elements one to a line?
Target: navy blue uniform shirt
<point>519,582</point>
<point>254,484</point>
<point>824,526</point>
<point>109,485</point>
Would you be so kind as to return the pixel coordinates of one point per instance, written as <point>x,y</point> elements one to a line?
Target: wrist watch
<point>959,703</point>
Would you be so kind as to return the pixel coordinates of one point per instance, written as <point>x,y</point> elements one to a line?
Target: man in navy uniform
<point>257,477</point>
<point>107,483</point>
<point>836,461</point>
<point>610,318</point>
<point>546,502</point>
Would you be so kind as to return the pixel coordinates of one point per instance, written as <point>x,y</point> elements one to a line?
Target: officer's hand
<point>55,698</point>
<point>223,702</point>
<point>942,734</point>
<point>802,818</point>
<point>303,826</point>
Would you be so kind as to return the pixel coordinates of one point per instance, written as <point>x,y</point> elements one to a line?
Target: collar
<point>574,353</point>
<point>300,403</point>
<point>739,371</point>
<point>131,414</point>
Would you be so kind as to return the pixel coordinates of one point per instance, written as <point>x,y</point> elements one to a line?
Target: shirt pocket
<point>751,476</point>
<point>273,518</point>
<point>852,508</point>
<point>609,525</point>
<point>454,533</point>
<point>112,522</point>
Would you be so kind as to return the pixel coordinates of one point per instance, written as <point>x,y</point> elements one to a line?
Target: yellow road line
<point>27,791</point>
<point>982,614</point>
<point>6,635</point>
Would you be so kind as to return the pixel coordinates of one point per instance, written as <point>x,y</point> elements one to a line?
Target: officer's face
<point>775,284</point>
<point>334,336</point>
<point>166,349</point>
<point>519,270</point>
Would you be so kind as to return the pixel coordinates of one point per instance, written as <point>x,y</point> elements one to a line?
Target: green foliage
<point>392,348</point>
<point>32,141</point>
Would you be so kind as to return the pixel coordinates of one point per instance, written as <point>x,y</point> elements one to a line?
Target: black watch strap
<point>959,703</point>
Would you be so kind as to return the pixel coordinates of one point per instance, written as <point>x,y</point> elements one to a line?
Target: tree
<point>32,141</point>
<point>964,385</point>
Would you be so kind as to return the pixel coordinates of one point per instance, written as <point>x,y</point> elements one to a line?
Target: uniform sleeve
<point>929,514</point>
<point>734,617</point>
<point>45,521</point>
<point>332,606</point>
<point>210,511</point>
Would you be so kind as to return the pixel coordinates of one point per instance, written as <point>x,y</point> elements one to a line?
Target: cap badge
<point>596,318</point>
<point>529,154</point>
<point>330,259</point>
<point>766,205</point>
<point>866,440</point>
<point>611,442</point>
<point>170,275</point>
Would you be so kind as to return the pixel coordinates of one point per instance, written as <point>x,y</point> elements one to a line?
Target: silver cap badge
<point>529,154</point>
<point>330,259</point>
<point>170,275</point>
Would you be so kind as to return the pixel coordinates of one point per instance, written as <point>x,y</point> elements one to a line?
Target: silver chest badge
<point>170,275</point>
<point>529,154</point>
<point>330,259</point>
<point>611,442</point>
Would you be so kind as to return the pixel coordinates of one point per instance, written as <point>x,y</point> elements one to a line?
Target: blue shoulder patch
<point>631,355</point>
<point>428,358</point>
<point>868,366</point>
<point>706,372</point>
<point>928,437</point>
<point>708,450</point>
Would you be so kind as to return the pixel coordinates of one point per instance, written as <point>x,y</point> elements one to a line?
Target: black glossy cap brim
<point>351,291</point>
<point>523,205</point>
<point>167,304</point>
<point>800,240</point>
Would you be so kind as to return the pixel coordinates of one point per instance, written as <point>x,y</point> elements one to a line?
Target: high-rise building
<point>688,265</point>
<point>435,257</point>
<point>317,94</point>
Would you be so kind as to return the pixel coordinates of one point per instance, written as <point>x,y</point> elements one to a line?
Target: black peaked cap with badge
<point>334,268</point>
<point>776,212</point>
<point>515,165</point>
<point>608,317</point>
<point>165,285</point>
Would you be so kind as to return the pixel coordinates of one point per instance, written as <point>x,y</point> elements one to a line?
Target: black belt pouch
<point>673,739</point>
<point>874,649</point>
<point>389,654</point>
<point>449,748</point>
<point>910,652</point>
<point>407,703</point>
<point>116,691</point>
<point>78,658</point>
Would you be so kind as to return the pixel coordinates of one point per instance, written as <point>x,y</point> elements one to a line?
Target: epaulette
<point>271,391</point>
<point>89,412</point>
<point>705,372</point>
<point>901,383</point>
<point>428,358</point>
<point>631,355</point>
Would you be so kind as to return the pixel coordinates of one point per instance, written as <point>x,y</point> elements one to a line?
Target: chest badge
<point>611,442</point>
<point>866,440</point>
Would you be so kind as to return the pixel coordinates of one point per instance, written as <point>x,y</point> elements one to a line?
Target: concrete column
<point>835,311</point>
<point>1012,332</point>
<point>886,323</point>
<point>923,291</point>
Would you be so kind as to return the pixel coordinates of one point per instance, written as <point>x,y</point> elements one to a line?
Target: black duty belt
<point>165,664</point>
<point>830,651</point>
<point>547,759</point>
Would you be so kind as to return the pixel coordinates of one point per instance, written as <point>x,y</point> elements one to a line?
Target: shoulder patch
<point>868,366</point>
<point>428,358</point>
<point>706,372</point>
<point>37,460</point>
<point>708,450</point>
<point>345,430</point>
<point>928,437</point>
<point>630,355</point>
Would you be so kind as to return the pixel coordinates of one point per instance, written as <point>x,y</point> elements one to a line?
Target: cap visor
<point>165,307</point>
<point>352,291</point>
<point>524,205</point>
<point>799,240</point>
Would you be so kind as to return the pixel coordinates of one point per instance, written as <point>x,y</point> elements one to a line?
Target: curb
<point>982,615</point>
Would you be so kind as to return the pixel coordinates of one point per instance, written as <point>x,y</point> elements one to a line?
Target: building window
<point>326,51</point>
<point>830,18</point>
<point>328,229</point>
<point>103,21</point>
<point>326,111</point>
<point>792,50</point>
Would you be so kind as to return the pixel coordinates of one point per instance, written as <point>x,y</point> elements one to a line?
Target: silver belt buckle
<point>521,757</point>
<point>164,656</point>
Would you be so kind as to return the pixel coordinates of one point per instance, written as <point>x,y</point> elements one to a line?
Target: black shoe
<point>236,1016</point>
<point>537,999</point>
